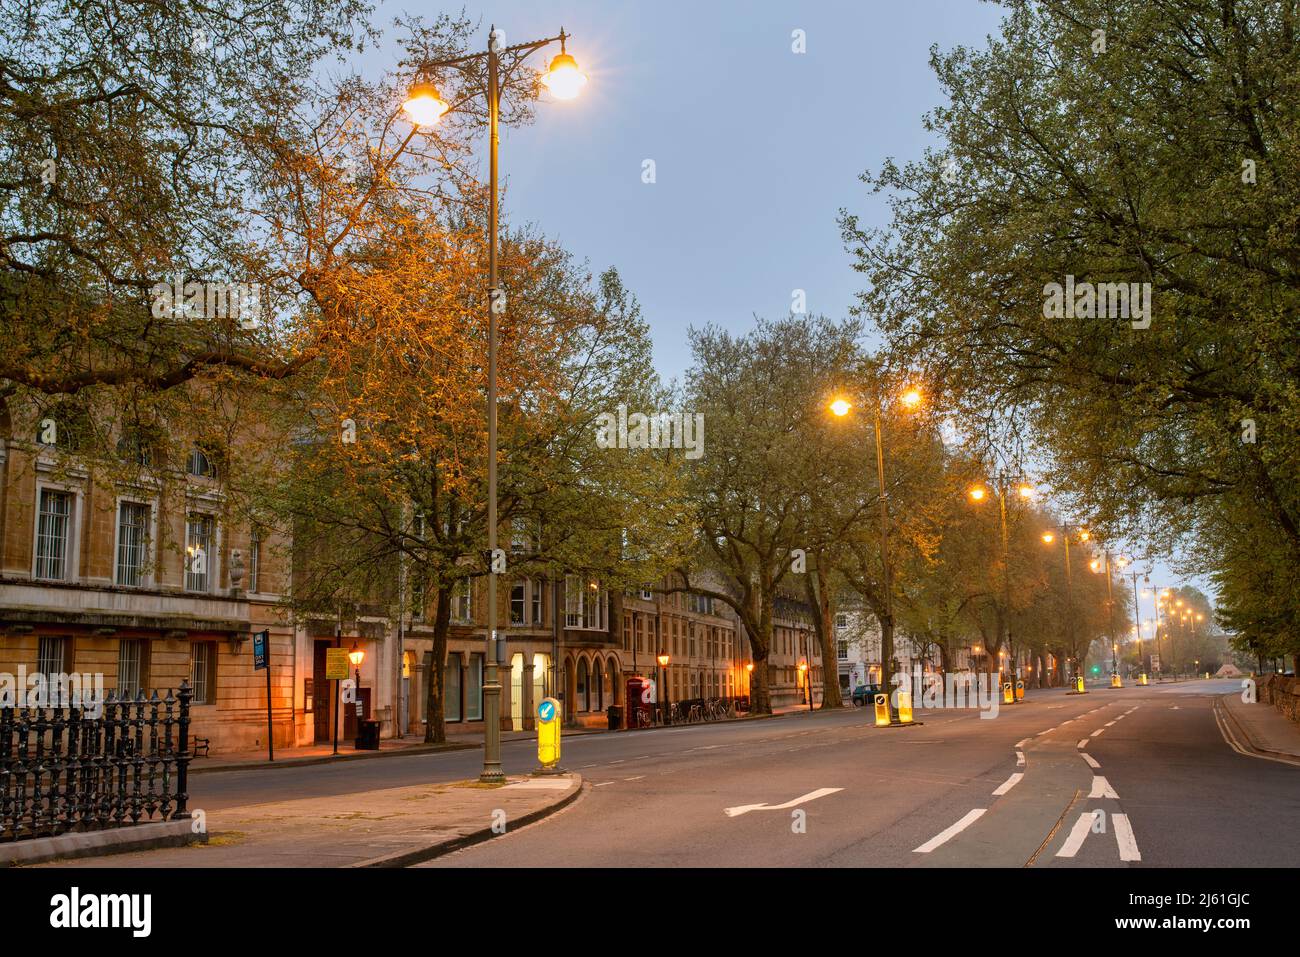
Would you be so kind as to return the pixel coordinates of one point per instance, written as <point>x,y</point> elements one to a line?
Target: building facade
<point>140,581</point>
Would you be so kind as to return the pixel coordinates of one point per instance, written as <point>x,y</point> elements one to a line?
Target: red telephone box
<point>639,710</point>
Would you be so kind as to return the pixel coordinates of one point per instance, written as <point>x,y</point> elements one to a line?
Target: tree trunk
<point>824,624</point>
<point>435,729</point>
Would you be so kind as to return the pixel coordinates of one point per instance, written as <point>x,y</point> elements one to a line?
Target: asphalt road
<point>831,790</point>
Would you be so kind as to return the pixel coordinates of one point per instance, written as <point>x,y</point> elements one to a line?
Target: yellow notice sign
<point>882,710</point>
<point>548,732</point>
<point>337,666</point>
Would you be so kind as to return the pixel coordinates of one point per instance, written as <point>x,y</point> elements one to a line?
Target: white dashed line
<point>1022,742</point>
<point>1101,788</point>
<point>1109,723</point>
<point>1020,759</point>
<point>1082,743</point>
<point>637,778</point>
<point>1078,834</point>
<point>602,784</point>
<point>1128,845</point>
<point>1092,762</point>
<point>946,835</point>
<point>1008,784</point>
<point>1097,732</point>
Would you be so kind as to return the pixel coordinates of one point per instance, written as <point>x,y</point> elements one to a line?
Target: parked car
<point>863,695</point>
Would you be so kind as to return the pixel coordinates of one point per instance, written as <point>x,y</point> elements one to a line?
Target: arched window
<point>199,464</point>
<point>613,682</point>
<point>584,695</point>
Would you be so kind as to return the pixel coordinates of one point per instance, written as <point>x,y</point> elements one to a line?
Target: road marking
<point>1128,845</point>
<point>943,837</point>
<point>1122,717</point>
<point>1020,759</point>
<point>1022,742</point>
<point>637,778</point>
<point>1092,762</point>
<point>602,784</point>
<point>1101,788</point>
<point>1008,784</point>
<point>1078,834</point>
<point>1082,743</point>
<point>1109,723</point>
<point>803,798</point>
<point>619,761</point>
<point>1097,732</point>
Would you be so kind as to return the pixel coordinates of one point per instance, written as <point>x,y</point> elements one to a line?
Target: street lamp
<point>356,656</point>
<point>807,681</point>
<point>1026,492</point>
<point>1048,538</point>
<point>424,107</point>
<point>664,658</point>
<point>840,407</point>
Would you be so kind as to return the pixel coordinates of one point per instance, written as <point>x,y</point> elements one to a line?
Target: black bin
<point>368,736</point>
<point>615,715</point>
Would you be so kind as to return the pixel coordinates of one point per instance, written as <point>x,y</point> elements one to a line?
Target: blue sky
<point>756,148</point>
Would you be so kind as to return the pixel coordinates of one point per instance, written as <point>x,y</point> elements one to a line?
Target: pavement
<point>392,827</point>
<point>1253,727</point>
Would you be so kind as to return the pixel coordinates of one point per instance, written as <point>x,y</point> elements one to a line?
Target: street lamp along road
<point>977,494</point>
<point>840,407</point>
<point>424,107</point>
<point>664,658</point>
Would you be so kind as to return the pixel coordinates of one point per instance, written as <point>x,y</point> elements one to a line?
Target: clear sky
<point>756,148</point>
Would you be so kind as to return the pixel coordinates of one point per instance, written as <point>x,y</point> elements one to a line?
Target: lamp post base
<point>492,773</point>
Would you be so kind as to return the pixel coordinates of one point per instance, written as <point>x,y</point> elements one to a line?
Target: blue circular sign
<point>546,710</point>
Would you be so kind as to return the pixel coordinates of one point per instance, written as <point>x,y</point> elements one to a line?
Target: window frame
<point>146,558</point>
<point>71,541</point>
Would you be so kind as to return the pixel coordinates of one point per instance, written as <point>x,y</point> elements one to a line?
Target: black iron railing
<point>61,770</point>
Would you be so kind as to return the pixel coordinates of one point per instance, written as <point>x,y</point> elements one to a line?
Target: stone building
<point>137,577</point>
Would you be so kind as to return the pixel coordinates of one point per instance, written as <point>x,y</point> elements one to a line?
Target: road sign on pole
<point>262,662</point>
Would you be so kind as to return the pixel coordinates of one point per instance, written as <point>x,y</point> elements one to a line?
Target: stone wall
<point>1281,693</point>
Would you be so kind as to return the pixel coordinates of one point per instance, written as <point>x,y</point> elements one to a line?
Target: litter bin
<point>367,736</point>
<point>615,715</point>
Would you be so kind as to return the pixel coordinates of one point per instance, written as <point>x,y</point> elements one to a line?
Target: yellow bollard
<point>905,707</point>
<point>882,710</point>
<point>1006,692</point>
<point>1116,681</point>
<point>548,733</point>
<point>1020,691</point>
<point>1078,684</point>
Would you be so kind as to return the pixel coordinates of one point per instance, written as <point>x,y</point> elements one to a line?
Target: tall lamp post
<point>1001,490</point>
<point>840,407</point>
<point>424,107</point>
<point>664,658</point>
<point>1048,538</point>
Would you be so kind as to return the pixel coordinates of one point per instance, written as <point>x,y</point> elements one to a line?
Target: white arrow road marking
<point>1128,845</point>
<point>1008,784</point>
<point>1078,834</point>
<point>1092,762</point>
<point>810,796</point>
<point>948,834</point>
<point>1101,788</point>
<point>1082,743</point>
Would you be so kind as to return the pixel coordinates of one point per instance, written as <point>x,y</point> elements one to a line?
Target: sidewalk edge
<point>442,848</point>
<point>1239,739</point>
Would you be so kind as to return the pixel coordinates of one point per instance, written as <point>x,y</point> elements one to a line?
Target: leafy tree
<point>1160,150</point>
